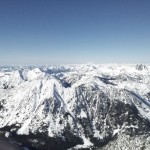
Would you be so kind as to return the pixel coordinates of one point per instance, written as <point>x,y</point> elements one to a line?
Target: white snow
<point>33,96</point>
<point>87,144</point>
<point>7,134</point>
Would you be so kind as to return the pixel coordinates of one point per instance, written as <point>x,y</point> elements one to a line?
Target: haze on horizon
<point>70,31</point>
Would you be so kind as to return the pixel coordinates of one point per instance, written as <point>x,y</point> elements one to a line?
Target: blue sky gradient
<point>74,31</point>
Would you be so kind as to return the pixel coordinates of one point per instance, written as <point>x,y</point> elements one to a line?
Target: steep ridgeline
<point>76,107</point>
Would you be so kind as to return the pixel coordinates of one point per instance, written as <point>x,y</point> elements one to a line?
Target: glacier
<point>86,106</point>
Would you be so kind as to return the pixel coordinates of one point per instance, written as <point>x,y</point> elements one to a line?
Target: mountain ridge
<point>76,106</point>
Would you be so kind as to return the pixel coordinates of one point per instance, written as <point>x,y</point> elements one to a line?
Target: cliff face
<point>75,107</point>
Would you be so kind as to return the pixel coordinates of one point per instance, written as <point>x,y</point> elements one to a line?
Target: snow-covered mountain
<point>76,106</point>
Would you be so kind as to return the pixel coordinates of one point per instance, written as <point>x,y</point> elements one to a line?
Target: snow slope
<point>87,104</point>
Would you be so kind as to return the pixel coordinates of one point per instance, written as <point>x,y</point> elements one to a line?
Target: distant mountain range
<point>89,106</point>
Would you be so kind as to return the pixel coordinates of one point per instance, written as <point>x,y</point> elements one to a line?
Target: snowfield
<point>84,106</point>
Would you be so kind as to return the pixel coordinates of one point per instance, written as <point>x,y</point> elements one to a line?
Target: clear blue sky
<point>74,31</point>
